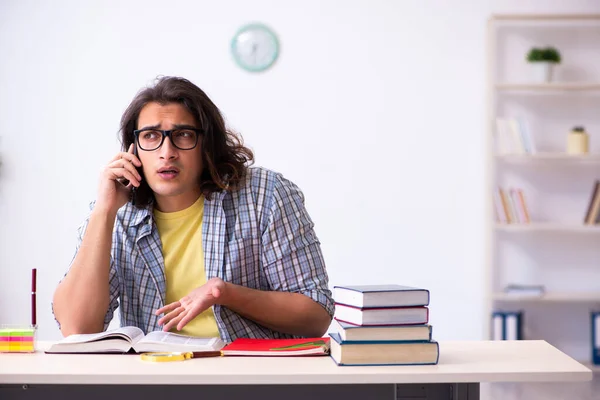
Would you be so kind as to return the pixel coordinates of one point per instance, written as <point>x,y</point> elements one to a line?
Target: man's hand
<point>179,313</point>
<point>112,194</point>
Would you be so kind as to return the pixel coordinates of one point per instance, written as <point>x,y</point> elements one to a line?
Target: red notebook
<point>277,347</point>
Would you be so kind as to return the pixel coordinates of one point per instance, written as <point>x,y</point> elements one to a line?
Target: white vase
<point>578,143</point>
<point>542,71</point>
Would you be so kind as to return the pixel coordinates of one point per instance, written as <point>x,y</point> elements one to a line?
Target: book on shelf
<point>382,316</point>
<point>595,336</point>
<point>411,333</point>
<point>364,352</point>
<point>132,339</point>
<point>391,295</point>
<point>513,137</point>
<point>497,326</point>
<point>510,206</point>
<point>592,215</point>
<point>318,346</point>
<point>507,325</point>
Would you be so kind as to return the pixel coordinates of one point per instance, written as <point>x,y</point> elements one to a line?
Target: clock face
<point>255,47</point>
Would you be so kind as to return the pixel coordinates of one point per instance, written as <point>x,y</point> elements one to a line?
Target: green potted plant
<point>543,60</point>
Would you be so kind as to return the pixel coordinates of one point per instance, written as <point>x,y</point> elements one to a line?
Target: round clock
<point>255,47</point>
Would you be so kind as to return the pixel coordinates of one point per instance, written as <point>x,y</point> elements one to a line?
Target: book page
<point>178,340</point>
<point>135,334</point>
<point>128,333</point>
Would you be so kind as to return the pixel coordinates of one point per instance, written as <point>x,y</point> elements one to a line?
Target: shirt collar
<point>141,214</point>
<point>145,214</point>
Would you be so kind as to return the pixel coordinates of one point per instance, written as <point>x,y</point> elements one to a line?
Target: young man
<point>211,247</point>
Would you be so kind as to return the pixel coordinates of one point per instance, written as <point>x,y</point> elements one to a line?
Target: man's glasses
<point>151,139</point>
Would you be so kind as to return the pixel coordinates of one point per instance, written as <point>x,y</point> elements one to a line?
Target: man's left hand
<point>179,313</point>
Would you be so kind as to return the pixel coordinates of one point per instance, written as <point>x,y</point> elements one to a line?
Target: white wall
<point>375,108</point>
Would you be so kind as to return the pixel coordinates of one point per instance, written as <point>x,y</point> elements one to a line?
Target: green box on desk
<point>17,338</point>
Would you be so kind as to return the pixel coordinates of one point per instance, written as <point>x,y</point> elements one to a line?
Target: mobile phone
<point>133,188</point>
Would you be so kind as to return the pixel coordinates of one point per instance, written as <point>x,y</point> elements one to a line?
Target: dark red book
<point>277,347</point>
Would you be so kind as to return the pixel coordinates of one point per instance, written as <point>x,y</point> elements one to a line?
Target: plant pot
<point>542,71</point>
<point>577,143</point>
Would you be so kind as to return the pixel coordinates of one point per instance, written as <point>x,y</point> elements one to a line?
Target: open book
<point>123,340</point>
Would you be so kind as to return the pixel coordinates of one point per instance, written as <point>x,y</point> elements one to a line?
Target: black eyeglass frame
<point>166,133</point>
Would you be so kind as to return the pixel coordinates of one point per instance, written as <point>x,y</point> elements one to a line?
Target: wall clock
<point>255,47</point>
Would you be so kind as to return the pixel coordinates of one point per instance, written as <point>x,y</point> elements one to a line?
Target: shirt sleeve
<point>292,257</point>
<point>113,278</point>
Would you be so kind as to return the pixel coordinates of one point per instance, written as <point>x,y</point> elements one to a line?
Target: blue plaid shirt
<point>259,236</point>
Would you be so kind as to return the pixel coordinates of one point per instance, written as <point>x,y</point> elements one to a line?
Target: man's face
<point>171,173</point>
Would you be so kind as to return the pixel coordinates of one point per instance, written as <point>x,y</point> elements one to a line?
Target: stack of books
<point>382,325</point>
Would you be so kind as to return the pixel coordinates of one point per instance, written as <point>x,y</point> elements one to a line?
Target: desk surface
<point>478,361</point>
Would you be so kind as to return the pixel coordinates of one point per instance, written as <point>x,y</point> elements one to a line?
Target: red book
<point>277,347</point>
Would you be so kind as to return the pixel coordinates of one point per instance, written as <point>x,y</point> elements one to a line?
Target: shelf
<point>548,156</point>
<point>545,21</point>
<point>553,86</point>
<point>550,297</point>
<point>548,227</point>
<point>545,17</point>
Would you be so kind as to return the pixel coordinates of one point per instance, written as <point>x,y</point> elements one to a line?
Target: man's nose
<point>167,150</point>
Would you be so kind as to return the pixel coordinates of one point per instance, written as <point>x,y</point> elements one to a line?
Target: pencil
<point>33,302</point>
<point>200,354</point>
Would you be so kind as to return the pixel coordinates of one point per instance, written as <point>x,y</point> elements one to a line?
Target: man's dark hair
<point>225,159</point>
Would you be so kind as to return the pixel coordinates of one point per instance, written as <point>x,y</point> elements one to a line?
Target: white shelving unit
<point>555,248</point>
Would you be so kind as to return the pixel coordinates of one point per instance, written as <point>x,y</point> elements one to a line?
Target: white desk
<point>462,366</point>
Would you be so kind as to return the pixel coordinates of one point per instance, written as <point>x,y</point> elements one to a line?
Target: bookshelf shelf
<point>550,297</point>
<point>547,18</point>
<point>548,227</point>
<point>549,157</point>
<point>549,87</point>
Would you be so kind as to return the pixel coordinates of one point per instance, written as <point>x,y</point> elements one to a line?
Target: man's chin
<point>168,190</point>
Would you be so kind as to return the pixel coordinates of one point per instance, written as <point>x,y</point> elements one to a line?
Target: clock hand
<point>254,46</point>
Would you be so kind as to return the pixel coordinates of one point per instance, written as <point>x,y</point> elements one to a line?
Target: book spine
<point>500,213</point>
<point>518,139</point>
<point>506,206</point>
<point>516,205</point>
<point>595,344</point>
<point>588,214</point>
<point>595,210</point>
<point>524,206</point>
<point>513,326</point>
<point>498,332</point>
<point>507,325</point>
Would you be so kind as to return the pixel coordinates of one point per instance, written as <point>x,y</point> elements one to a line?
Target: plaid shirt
<point>259,236</point>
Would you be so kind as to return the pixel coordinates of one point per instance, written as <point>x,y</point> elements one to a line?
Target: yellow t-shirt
<point>181,236</point>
